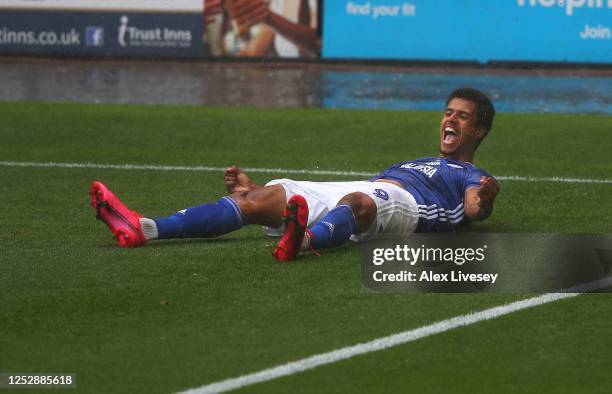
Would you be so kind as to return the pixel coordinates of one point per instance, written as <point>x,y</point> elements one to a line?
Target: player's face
<point>458,131</point>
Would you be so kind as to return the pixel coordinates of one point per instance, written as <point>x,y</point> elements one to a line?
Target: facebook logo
<point>94,36</point>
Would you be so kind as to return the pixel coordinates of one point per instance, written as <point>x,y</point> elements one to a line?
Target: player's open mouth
<point>450,136</point>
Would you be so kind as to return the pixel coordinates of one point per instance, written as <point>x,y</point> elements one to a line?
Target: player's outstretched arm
<point>478,201</point>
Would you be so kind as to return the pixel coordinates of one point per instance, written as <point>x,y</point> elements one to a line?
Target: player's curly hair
<point>485,108</point>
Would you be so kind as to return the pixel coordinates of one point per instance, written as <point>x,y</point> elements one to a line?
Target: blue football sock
<point>202,221</point>
<point>334,229</point>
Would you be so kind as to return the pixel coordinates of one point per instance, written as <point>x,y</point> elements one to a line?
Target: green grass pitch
<point>179,314</point>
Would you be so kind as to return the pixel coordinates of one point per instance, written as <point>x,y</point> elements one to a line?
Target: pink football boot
<point>295,218</point>
<point>123,223</point>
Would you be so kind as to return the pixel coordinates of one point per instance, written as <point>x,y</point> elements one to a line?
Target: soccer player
<point>433,194</point>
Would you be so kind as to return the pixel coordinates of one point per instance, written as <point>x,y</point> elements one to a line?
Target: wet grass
<point>179,314</point>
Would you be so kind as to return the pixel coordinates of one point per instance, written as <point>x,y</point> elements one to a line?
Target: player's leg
<point>356,210</point>
<point>259,205</point>
<point>262,205</point>
<point>354,214</point>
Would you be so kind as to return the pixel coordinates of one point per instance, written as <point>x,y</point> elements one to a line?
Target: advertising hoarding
<point>262,28</point>
<point>106,5</point>
<point>67,27</point>
<point>469,30</point>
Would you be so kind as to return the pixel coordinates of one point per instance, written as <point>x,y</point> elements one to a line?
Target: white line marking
<point>392,340</point>
<point>176,168</point>
<point>150,167</point>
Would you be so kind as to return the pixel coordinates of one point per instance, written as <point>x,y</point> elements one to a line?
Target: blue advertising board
<point>469,30</point>
<point>101,33</point>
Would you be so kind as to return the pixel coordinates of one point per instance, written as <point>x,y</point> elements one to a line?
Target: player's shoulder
<point>458,165</point>
<point>469,168</point>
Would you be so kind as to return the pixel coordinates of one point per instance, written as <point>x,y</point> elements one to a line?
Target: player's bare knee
<point>248,206</point>
<point>259,207</point>
<point>363,207</point>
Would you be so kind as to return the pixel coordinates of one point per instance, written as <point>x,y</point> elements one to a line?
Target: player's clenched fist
<point>237,181</point>
<point>488,188</point>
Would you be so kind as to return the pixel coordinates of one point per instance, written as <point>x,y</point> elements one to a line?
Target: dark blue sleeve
<point>473,178</point>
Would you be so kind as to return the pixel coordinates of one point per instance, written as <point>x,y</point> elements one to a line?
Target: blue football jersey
<point>438,186</point>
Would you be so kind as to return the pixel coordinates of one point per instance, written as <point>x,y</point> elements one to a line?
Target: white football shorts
<point>397,211</point>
